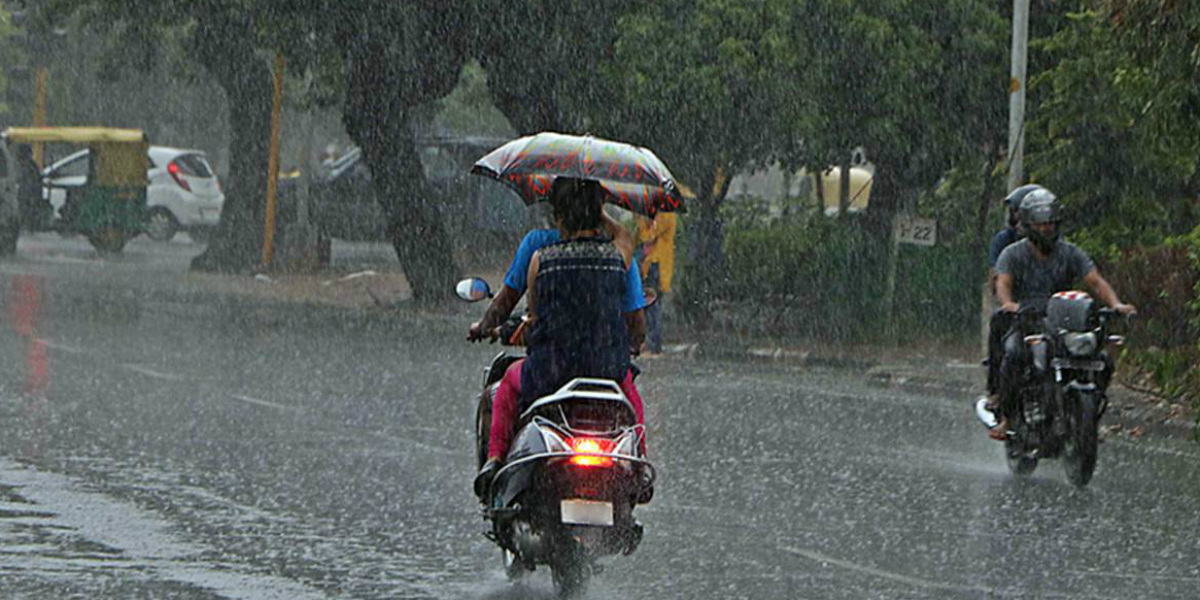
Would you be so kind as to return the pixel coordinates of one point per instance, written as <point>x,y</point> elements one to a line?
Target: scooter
<point>574,473</point>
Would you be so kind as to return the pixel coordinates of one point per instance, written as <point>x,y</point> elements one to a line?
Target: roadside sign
<point>915,230</point>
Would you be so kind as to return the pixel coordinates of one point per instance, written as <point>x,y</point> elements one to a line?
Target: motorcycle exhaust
<point>985,415</point>
<point>527,542</point>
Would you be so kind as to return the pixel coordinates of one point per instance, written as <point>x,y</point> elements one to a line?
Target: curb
<point>876,373</point>
<point>765,354</point>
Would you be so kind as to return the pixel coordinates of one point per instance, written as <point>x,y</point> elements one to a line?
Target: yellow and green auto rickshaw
<point>110,207</point>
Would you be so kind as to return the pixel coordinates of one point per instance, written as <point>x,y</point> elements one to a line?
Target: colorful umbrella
<point>633,176</point>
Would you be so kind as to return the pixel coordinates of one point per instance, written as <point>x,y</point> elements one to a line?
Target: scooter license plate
<point>587,512</point>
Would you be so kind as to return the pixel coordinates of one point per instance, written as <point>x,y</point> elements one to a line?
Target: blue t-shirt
<point>518,271</point>
<point>1003,239</point>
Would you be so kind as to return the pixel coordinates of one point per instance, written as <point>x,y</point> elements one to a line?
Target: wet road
<point>161,440</point>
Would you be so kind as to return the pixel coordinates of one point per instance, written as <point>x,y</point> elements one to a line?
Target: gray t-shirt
<point>1037,279</point>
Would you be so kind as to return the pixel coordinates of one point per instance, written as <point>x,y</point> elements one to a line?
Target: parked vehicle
<point>572,477</point>
<point>343,201</point>
<point>183,194</point>
<point>109,205</point>
<point>1065,390</point>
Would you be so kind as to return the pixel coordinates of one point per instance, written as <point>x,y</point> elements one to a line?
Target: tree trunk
<point>224,46</point>
<point>705,265</point>
<point>379,122</point>
<point>819,187</point>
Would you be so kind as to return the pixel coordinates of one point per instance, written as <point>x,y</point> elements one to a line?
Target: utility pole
<point>273,166</point>
<point>1016,94</point>
<point>1016,132</point>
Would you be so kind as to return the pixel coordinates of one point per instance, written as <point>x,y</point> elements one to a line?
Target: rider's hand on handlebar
<point>477,333</point>
<point>1126,310</point>
<point>1011,307</point>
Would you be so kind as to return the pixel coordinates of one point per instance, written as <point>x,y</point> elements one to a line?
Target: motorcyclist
<point>1035,269</point>
<point>1001,321</point>
<point>580,318</point>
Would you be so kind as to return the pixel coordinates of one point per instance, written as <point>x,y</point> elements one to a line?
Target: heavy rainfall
<point>792,299</point>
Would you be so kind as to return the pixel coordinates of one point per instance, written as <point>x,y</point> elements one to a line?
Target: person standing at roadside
<point>657,237</point>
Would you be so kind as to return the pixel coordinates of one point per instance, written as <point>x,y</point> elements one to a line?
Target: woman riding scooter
<point>577,325</point>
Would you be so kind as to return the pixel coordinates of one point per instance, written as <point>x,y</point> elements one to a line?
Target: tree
<point>399,60</point>
<point>918,83</point>
<point>700,83</point>
<point>1116,135</point>
<point>224,37</point>
<point>546,60</point>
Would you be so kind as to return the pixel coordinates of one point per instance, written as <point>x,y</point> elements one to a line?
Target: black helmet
<point>1040,206</point>
<point>1013,199</point>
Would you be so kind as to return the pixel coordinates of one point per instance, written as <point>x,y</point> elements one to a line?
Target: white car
<point>183,191</point>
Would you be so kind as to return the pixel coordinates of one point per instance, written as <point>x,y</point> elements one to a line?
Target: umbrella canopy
<point>633,177</point>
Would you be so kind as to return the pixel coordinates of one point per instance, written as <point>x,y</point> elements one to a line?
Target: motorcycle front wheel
<point>1079,455</point>
<point>1019,463</point>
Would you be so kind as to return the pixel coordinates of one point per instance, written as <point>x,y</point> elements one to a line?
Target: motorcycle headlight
<point>1080,344</point>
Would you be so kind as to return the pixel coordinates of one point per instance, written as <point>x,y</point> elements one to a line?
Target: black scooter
<point>575,470</point>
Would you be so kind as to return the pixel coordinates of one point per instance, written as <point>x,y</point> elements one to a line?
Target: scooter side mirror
<point>473,289</point>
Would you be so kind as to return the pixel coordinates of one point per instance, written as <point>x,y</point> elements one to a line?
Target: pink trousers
<point>504,409</point>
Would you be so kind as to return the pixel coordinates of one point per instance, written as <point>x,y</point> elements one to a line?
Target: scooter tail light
<point>587,450</point>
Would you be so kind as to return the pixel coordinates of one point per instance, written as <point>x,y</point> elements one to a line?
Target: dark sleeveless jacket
<point>580,326</point>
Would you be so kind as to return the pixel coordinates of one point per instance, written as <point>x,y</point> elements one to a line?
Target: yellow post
<point>39,111</point>
<point>273,163</point>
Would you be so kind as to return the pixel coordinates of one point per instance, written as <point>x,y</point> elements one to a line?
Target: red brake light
<point>175,171</point>
<point>586,449</point>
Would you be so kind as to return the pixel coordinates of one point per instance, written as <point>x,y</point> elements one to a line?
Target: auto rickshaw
<point>110,207</point>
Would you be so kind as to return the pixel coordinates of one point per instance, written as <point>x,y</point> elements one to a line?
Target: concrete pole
<point>39,112</point>
<point>1016,135</point>
<point>1016,94</point>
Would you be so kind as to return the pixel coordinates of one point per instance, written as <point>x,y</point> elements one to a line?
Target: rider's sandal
<point>1000,431</point>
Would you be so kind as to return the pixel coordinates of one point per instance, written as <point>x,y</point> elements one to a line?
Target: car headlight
<point>1080,344</point>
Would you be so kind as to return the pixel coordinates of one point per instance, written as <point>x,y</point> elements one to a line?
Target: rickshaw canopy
<point>119,156</point>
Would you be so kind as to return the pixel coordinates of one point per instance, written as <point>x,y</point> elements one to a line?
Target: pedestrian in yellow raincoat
<point>658,268</point>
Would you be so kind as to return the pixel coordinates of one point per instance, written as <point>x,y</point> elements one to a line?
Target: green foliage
<point>825,278</point>
<point>822,279</point>
<point>1115,134</point>
<point>711,95</point>
<point>468,110</point>
<point>6,29</point>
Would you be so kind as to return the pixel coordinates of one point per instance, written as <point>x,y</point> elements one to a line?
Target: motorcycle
<point>565,495</point>
<point>1064,389</point>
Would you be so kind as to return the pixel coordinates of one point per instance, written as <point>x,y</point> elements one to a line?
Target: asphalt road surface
<point>162,439</point>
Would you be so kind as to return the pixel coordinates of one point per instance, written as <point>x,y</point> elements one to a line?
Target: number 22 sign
<point>915,230</point>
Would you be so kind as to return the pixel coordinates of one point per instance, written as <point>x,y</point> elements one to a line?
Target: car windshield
<point>193,165</point>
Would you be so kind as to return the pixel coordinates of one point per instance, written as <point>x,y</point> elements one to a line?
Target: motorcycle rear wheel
<point>1079,456</point>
